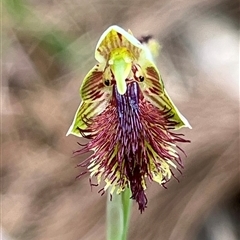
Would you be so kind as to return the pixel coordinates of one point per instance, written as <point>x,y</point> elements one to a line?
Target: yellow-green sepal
<point>95,97</point>
<point>154,92</point>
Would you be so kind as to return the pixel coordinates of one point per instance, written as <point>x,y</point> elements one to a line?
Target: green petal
<point>93,88</point>
<point>154,91</point>
<point>86,110</point>
<point>95,97</point>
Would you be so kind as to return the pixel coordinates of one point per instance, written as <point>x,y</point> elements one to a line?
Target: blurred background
<point>47,49</point>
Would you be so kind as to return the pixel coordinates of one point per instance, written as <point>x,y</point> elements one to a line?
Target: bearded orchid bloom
<point>128,118</point>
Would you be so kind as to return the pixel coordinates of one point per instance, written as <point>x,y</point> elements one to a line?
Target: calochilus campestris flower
<point>128,118</point>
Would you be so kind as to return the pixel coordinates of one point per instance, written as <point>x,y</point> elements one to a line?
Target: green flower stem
<point>118,213</point>
<point>115,217</point>
<point>127,204</point>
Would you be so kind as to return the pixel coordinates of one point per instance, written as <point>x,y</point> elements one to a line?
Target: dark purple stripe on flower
<point>128,113</point>
<point>131,139</point>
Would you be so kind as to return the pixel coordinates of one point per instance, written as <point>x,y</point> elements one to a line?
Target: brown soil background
<point>47,49</point>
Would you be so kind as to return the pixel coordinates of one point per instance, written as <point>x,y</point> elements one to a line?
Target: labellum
<point>128,118</point>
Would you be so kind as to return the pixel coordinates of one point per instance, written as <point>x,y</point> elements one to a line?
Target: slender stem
<point>118,213</point>
<point>115,217</point>
<point>127,204</point>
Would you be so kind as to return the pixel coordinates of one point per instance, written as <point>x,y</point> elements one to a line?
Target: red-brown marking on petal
<point>119,36</point>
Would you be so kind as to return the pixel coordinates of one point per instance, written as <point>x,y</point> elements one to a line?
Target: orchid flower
<point>128,118</point>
